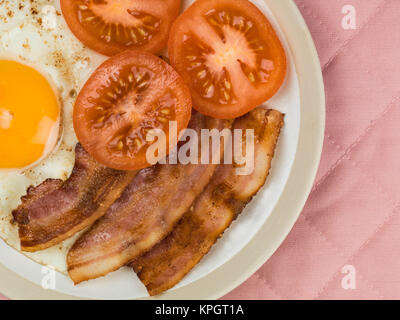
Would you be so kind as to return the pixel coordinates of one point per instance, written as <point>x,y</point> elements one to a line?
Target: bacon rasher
<point>213,211</point>
<point>55,210</point>
<point>146,213</point>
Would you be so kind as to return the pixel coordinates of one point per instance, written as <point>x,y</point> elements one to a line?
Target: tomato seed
<point>251,77</point>
<point>138,143</point>
<point>120,145</point>
<point>162,119</point>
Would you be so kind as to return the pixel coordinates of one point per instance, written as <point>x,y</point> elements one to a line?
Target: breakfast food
<point>34,34</point>
<point>56,210</point>
<point>126,97</point>
<point>77,189</point>
<point>112,26</point>
<point>27,135</point>
<point>229,55</point>
<point>145,213</point>
<point>213,211</point>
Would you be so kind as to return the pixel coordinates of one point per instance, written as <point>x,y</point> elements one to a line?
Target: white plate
<point>266,221</point>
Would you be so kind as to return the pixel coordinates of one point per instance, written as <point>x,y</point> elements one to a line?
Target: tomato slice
<point>229,55</point>
<point>112,26</point>
<point>129,95</point>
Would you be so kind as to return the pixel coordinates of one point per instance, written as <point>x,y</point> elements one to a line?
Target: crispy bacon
<point>213,211</point>
<point>146,213</point>
<point>56,210</point>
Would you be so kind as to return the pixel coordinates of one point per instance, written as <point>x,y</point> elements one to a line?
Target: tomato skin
<point>250,96</point>
<point>164,81</point>
<point>157,42</point>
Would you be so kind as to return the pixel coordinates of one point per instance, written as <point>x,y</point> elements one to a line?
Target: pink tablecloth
<point>352,217</point>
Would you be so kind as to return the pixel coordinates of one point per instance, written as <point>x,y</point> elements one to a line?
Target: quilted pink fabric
<point>352,217</point>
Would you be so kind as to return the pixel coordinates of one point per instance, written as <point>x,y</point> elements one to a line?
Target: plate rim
<point>283,217</point>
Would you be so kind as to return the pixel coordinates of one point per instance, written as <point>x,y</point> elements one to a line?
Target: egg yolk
<point>29,115</point>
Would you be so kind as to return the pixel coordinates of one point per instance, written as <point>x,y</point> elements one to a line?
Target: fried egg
<point>42,68</point>
<point>29,122</point>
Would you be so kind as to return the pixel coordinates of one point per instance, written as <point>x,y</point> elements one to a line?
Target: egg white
<point>34,32</point>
